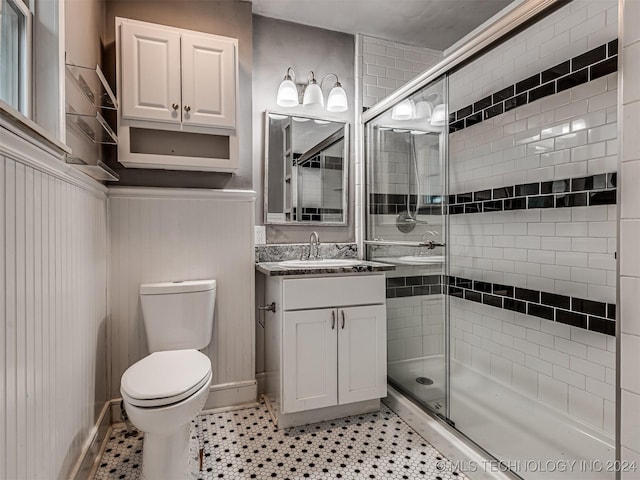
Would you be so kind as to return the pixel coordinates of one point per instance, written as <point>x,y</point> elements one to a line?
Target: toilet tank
<point>178,315</point>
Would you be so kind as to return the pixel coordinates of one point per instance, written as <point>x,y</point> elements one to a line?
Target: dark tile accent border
<point>414,286</point>
<point>392,204</point>
<point>578,312</point>
<point>588,66</point>
<point>570,192</point>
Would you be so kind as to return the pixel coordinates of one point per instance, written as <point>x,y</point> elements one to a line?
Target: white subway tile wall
<point>565,367</point>
<point>389,65</point>
<point>382,67</point>
<point>565,33</point>
<point>562,136</point>
<point>568,251</point>
<point>415,327</point>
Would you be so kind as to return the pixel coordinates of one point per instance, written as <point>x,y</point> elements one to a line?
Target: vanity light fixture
<point>288,93</point>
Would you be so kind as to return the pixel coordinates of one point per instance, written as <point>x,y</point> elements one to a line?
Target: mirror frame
<point>345,175</point>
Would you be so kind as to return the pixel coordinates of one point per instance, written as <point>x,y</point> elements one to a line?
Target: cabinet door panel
<point>150,73</point>
<point>362,353</point>
<point>310,360</point>
<point>208,81</point>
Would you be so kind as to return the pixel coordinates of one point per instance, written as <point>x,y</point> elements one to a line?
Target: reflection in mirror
<point>306,165</point>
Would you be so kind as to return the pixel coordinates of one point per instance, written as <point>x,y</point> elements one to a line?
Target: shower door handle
<point>400,243</point>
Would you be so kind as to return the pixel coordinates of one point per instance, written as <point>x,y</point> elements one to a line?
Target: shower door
<point>406,226</point>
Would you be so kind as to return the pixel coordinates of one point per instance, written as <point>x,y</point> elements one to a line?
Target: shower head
<point>406,223</point>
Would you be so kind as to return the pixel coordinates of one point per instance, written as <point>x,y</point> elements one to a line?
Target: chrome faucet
<point>314,246</point>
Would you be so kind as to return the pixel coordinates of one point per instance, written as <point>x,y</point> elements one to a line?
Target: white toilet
<point>166,390</point>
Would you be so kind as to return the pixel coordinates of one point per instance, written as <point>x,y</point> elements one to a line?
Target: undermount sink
<point>422,259</point>
<point>322,263</point>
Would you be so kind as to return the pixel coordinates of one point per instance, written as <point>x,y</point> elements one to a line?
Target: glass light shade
<point>313,95</point>
<point>405,110</point>
<point>337,101</point>
<point>438,116</point>
<point>287,94</point>
<point>423,110</point>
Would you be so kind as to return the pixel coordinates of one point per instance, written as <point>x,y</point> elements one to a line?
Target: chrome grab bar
<point>400,243</point>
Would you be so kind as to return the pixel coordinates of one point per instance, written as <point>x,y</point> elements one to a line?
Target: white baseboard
<point>220,396</point>
<point>306,417</point>
<point>91,449</point>
<point>261,378</point>
<point>229,394</point>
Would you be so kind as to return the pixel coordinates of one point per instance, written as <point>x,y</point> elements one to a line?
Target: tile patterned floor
<point>244,444</point>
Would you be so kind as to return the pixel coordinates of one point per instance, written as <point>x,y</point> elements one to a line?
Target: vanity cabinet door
<point>362,353</point>
<point>309,360</point>
<point>208,81</point>
<point>150,73</point>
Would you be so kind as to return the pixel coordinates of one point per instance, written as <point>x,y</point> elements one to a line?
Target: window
<point>15,54</point>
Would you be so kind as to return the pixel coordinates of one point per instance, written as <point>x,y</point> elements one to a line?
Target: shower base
<point>512,427</point>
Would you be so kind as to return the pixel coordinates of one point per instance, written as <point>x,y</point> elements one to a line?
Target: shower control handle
<point>342,312</point>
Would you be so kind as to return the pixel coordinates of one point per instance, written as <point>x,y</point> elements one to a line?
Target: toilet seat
<point>164,378</point>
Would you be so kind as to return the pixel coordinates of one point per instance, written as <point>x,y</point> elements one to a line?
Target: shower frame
<point>501,27</point>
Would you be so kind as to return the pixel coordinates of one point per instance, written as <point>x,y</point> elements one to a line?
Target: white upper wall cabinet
<point>169,75</point>
<point>178,98</point>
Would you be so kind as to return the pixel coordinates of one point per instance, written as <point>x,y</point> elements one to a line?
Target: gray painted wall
<point>277,45</point>
<point>231,19</point>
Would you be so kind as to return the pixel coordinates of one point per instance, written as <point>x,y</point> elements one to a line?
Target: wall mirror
<point>306,166</point>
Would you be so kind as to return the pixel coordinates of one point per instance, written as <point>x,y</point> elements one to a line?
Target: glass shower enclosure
<point>406,226</point>
<point>491,186</point>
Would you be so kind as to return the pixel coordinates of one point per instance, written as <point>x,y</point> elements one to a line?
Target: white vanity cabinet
<point>325,346</point>
<point>176,76</point>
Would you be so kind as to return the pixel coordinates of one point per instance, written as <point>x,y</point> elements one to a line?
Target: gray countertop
<point>274,269</point>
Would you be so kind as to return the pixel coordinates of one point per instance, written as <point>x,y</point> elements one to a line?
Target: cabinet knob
<point>175,106</point>
<point>187,108</point>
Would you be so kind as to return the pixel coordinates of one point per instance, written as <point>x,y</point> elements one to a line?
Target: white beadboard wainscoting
<point>53,311</point>
<point>159,235</point>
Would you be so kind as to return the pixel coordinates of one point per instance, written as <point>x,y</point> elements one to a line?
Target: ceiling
<point>435,24</point>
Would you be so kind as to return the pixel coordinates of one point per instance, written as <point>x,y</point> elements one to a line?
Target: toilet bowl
<point>163,392</point>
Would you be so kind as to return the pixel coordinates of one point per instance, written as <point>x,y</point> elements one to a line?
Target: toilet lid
<point>165,377</point>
